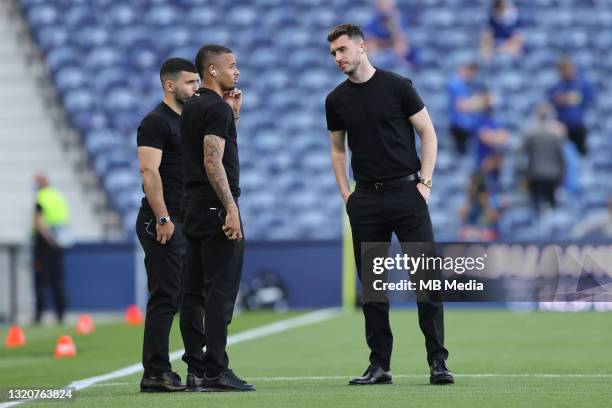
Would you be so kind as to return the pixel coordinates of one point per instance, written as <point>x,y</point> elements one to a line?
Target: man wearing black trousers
<point>212,225</point>
<point>158,223</point>
<point>378,111</point>
<point>51,220</point>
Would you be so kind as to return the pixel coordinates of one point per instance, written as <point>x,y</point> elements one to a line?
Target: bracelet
<point>236,117</point>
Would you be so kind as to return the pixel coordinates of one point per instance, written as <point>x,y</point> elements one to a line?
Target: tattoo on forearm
<point>213,164</point>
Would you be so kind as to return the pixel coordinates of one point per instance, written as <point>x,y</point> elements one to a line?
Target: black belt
<point>387,184</point>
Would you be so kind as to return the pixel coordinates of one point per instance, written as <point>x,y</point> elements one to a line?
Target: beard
<point>181,99</point>
<point>228,85</point>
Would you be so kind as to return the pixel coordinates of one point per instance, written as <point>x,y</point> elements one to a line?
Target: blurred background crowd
<point>517,91</point>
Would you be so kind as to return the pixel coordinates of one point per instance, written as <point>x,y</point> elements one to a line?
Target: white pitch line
<point>492,375</point>
<point>346,377</point>
<point>251,334</point>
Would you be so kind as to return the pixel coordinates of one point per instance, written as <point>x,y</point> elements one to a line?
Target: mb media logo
<point>486,272</point>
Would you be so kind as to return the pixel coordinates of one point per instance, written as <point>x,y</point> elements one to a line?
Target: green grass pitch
<point>500,359</point>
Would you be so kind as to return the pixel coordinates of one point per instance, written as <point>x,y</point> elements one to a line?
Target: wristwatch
<point>163,220</point>
<point>426,182</point>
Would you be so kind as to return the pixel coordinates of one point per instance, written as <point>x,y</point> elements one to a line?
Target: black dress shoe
<point>373,375</point>
<point>165,382</point>
<point>226,380</point>
<point>439,373</point>
<point>194,383</point>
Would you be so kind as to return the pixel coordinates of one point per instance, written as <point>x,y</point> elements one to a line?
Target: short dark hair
<point>351,30</point>
<point>204,55</point>
<point>174,66</point>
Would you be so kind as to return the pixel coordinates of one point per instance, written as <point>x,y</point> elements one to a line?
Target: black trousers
<point>578,136</point>
<point>49,272</point>
<point>165,271</point>
<point>374,216</point>
<point>461,137</point>
<point>214,268</point>
<point>543,190</point>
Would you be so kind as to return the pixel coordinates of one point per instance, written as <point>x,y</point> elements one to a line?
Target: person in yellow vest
<point>51,218</point>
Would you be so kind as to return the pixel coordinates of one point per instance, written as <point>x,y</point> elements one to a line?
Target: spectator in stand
<point>543,148</point>
<point>571,98</point>
<point>386,31</point>
<point>465,103</point>
<point>479,214</point>
<point>491,140</point>
<point>502,34</point>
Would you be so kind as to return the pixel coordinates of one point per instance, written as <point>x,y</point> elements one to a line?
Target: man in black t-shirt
<point>378,112</point>
<point>212,225</point>
<point>161,167</point>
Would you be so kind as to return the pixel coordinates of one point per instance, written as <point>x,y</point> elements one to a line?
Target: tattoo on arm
<point>214,147</point>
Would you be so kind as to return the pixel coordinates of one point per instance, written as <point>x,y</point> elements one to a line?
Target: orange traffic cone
<point>65,347</point>
<point>133,315</point>
<point>85,325</point>
<point>15,337</point>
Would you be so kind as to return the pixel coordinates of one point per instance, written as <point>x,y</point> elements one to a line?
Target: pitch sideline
<point>425,376</point>
<point>247,335</point>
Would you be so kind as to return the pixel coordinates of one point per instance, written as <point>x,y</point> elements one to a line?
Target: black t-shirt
<point>161,129</point>
<point>206,113</point>
<point>375,115</point>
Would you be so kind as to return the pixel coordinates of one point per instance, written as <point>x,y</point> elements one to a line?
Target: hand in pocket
<point>425,192</point>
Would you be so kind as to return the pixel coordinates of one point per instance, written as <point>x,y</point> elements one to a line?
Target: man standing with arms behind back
<point>51,220</point>
<point>212,225</point>
<point>158,223</point>
<point>378,111</point>
<point>572,96</point>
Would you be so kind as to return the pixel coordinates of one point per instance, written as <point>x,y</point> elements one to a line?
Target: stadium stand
<point>103,56</point>
<point>34,138</point>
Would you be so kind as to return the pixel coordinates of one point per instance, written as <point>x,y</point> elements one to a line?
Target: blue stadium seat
<point>102,57</point>
<point>70,77</point>
<point>104,145</point>
<point>88,121</point>
<point>119,15</point>
<point>81,17</point>
<point>79,100</point>
<point>62,56</point>
<point>39,16</point>
<point>164,15</point>
<point>52,37</point>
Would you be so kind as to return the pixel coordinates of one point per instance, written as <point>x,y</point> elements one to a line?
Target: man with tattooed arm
<point>212,225</point>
